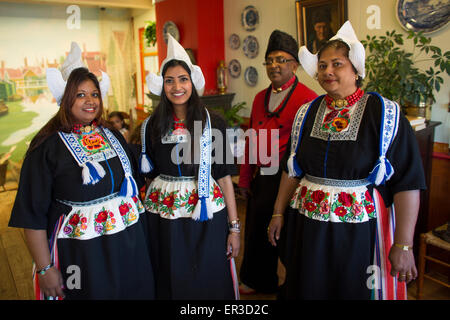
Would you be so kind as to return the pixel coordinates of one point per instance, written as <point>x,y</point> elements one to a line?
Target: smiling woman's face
<point>177,85</point>
<point>87,103</point>
<point>336,74</point>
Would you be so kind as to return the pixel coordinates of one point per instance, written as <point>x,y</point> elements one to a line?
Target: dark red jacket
<point>260,119</point>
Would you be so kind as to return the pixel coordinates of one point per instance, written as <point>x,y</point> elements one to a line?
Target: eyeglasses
<point>277,60</point>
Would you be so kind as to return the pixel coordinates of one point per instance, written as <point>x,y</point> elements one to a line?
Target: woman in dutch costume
<point>77,198</point>
<point>193,223</point>
<point>352,155</point>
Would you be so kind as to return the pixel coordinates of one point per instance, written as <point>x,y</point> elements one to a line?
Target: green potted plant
<point>233,119</point>
<point>234,132</point>
<point>150,33</point>
<point>394,72</point>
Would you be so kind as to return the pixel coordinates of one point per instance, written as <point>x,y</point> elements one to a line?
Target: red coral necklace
<point>337,104</point>
<point>338,118</point>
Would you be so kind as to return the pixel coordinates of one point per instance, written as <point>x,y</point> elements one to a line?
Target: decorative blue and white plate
<point>234,68</point>
<point>171,27</point>
<point>251,76</point>
<point>424,15</point>
<point>250,18</point>
<point>234,41</point>
<point>250,47</point>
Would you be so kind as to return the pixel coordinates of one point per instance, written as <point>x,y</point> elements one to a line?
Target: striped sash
<point>387,287</point>
<point>234,277</point>
<point>54,259</point>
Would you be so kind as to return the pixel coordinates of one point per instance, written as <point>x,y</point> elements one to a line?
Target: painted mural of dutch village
<point>26,104</point>
<point>32,39</point>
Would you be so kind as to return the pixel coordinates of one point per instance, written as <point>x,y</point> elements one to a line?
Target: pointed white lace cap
<point>73,61</point>
<point>308,61</point>
<point>175,51</point>
<point>357,54</point>
<point>104,86</point>
<point>57,79</point>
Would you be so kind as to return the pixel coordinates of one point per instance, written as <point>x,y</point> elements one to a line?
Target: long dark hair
<point>162,118</point>
<point>64,120</point>
<point>339,44</point>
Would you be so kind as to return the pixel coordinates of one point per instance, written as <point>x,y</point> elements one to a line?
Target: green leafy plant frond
<point>150,33</point>
<point>394,72</point>
<point>231,115</point>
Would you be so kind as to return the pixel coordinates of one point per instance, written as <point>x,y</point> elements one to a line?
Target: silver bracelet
<point>235,226</point>
<point>235,230</point>
<point>44,270</point>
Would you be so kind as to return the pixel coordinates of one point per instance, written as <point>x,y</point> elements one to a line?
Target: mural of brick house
<point>94,60</point>
<point>34,81</point>
<point>31,80</point>
<point>8,78</point>
<point>53,64</point>
<point>7,90</point>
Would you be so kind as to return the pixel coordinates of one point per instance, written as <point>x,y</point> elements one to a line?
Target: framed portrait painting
<point>318,21</point>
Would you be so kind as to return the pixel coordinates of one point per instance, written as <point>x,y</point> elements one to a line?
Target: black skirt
<point>313,253</point>
<point>190,258</point>
<point>110,267</point>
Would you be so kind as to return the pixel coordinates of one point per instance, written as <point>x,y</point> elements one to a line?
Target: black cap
<point>282,41</point>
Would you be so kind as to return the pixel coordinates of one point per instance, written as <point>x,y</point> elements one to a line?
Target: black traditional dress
<point>331,226</point>
<point>189,255</point>
<point>96,236</point>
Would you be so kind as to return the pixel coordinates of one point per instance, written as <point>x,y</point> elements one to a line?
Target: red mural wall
<point>200,23</point>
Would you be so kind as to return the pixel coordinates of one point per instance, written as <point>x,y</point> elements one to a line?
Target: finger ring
<point>409,274</point>
<point>401,276</point>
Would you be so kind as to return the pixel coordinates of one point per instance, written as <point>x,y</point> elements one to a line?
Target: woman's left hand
<point>233,244</point>
<point>402,264</point>
<point>406,205</point>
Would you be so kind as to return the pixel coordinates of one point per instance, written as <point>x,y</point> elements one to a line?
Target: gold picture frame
<point>318,19</point>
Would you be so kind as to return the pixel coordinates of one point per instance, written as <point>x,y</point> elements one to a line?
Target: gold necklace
<point>277,90</point>
<point>339,103</point>
<point>87,129</point>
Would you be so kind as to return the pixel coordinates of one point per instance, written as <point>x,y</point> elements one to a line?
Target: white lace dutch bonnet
<point>357,54</point>
<point>57,78</point>
<point>176,52</point>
